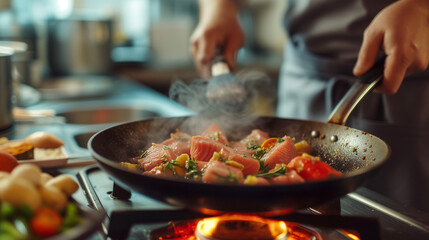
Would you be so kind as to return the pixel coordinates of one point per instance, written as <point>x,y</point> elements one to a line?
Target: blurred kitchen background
<point>75,48</point>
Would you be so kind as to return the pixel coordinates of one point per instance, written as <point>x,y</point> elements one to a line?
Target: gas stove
<point>359,215</point>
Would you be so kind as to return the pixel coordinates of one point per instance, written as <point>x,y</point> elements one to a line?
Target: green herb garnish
<point>278,172</point>
<point>253,147</point>
<point>259,153</point>
<point>143,154</point>
<point>192,169</point>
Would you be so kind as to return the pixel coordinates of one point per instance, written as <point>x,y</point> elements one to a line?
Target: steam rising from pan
<point>229,117</point>
<point>260,99</point>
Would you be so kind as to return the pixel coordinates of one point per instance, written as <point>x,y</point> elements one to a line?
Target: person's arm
<point>401,30</point>
<point>218,27</point>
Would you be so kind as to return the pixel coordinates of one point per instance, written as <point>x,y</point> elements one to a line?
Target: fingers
<point>395,68</point>
<point>369,50</point>
<point>230,51</point>
<point>203,50</point>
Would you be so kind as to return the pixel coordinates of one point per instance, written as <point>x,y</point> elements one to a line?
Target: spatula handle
<point>219,65</point>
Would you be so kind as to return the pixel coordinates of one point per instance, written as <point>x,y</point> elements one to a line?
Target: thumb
<point>368,52</point>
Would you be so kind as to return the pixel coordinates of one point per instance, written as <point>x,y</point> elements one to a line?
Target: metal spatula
<point>223,87</point>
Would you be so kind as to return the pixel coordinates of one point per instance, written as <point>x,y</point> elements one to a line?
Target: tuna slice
<point>202,149</point>
<point>178,144</point>
<point>168,150</point>
<point>214,132</point>
<point>155,156</point>
<point>256,137</point>
<point>219,172</point>
<point>282,152</point>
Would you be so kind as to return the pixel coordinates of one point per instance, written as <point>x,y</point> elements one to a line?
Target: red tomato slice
<point>46,222</point>
<point>7,161</point>
<point>311,168</point>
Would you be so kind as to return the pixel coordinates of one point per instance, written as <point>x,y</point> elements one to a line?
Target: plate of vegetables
<point>36,205</point>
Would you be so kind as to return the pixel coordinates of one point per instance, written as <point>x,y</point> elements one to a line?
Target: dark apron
<point>310,87</point>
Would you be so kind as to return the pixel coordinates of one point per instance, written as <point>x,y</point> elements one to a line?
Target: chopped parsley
<point>279,140</point>
<point>165,147</point>
<point>143,154</point>
<point>169,165</point>
<point>192,171</point>
<point>222,158</point>
<point>215,136</point>
<point>253,147</point>
<point>259,153</point>
<point>262,167</point>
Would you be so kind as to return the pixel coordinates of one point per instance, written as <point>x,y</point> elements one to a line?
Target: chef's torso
<point>324,40</point>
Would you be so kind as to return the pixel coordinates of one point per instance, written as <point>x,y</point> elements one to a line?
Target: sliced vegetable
<point>46,222</point>
<point>269,143</point>
<point>9,231</point>
<point>71,217</point>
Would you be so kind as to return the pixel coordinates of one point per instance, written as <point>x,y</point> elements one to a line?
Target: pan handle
<point>365,84</point>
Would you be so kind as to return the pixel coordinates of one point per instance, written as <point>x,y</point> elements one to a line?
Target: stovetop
<point>132,215</point>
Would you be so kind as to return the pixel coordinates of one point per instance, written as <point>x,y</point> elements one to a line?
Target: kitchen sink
<point>102,115</point>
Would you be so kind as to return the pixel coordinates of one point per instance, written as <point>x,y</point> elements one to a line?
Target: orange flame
<point>236,226</point>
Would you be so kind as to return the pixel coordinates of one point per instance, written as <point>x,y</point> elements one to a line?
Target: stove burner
<point>240,227</point>
<point>120,220</point>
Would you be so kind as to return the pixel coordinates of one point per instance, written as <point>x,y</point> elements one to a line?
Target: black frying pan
<point>355,153</point>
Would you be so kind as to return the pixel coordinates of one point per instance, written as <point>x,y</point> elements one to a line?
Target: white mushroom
<point>28,172</point>
<point>19,192</point>
<point>65,183</point>
<point>53,197</point>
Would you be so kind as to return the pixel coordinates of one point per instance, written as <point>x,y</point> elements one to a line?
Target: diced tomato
<point>312,168</point>
<point>46,222</point>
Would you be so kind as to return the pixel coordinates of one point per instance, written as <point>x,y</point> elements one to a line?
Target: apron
<point>311,84</point>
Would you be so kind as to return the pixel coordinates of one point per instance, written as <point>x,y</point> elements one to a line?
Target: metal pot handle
<point>365,84</point>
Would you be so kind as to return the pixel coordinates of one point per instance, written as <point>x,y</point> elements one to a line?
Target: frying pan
<point>357,154</point>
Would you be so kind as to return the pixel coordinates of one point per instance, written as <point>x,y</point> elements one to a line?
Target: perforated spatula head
<point>223,87</point>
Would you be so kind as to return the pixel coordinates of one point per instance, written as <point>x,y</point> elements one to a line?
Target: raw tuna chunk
<point>282,152</point>
<point>178,144</point>
<point>155,156</point>
<point>202,149</point>
<point>291,177</point>
<point>251,166</point>
<point>219,172</point>
<point>256,137</point>
<point>214,132</point>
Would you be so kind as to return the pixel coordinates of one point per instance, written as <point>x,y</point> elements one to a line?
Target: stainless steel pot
<point>79,46</point>
<point>6,119</point>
